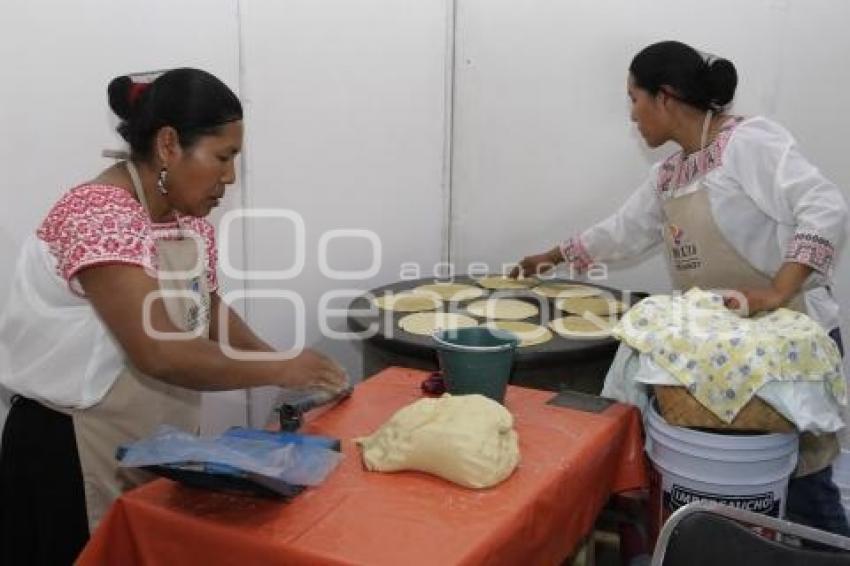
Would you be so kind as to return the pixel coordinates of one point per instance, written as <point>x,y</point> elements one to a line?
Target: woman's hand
<point>312,369</point>
<point>751,301</point>
<point>785,285</point>
<point>537,264</point>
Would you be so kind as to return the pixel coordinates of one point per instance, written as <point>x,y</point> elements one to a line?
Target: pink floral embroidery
<point>101,224</point>
<point>813,250</point>
<point>576,254</point>
<point>678,171</point>
<point>203,228</point>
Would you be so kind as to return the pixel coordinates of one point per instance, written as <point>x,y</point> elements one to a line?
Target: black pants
<point>814,500</point>
<point>42,502</point>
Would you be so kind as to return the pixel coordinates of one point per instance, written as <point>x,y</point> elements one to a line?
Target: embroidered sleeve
<point>812,250</point>
<point>633,229</point>
<point>818,209</point>
<point>575,254</point>
<point>95,225</point>
<point>768,165</point>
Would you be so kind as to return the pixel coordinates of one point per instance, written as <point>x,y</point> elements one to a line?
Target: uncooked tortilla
<point>454,292</point>
<point>502,282</point>
<point>425,323</point>
<point>600,306</point>
<point>557,290</point>
<point>509,309</point>
<point>582,327</point>
<point>466,439</point>
<point>408,301</point>
<point>529,334</point>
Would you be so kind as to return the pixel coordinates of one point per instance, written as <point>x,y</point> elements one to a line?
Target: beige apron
<point>700,256</point>
<point>137,404</point>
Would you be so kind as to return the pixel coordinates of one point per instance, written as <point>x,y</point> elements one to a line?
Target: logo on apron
<point>683,252</point>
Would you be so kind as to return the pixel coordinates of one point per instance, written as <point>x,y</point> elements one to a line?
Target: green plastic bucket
<point>476,360</point>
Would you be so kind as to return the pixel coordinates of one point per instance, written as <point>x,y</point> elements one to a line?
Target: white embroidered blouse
<point>768,201</point>
<point>53,346</point>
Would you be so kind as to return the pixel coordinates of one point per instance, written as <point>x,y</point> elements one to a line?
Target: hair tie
<point>136,90</point>
<point>708,59</point>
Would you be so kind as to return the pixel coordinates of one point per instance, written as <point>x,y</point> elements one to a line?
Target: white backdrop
<point>58,58</point>
<point>543,143</point>
<point>346,124</point>
<point>347,117</point>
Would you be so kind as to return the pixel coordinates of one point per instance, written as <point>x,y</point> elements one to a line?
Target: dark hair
<point>193,102</point>
<point>703,83</point>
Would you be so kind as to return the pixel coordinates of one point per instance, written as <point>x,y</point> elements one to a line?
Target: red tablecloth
<point>571,463</point>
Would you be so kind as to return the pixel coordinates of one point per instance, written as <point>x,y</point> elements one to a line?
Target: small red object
<point>434,384</point>
<point>136,90</point>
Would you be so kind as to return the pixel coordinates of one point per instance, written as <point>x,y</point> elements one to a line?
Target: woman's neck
<point>118,175</point>
<point>689,135</point>
<point>158,206</point>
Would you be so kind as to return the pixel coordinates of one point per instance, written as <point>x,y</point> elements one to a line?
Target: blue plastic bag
<point>293,459</point>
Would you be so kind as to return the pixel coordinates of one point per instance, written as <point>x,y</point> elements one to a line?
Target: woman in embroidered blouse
<point>81,354</point>
<point>738,207</point>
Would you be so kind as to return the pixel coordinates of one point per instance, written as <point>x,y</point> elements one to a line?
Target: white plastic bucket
<point>749,471</point>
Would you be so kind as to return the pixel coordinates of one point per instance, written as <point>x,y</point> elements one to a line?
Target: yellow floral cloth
<point>724,359</point>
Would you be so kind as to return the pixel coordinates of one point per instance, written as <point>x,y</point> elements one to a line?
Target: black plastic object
<point>195,475</point>
<point>705,539</point>
<point>294,403</point>
<point>580,401</point>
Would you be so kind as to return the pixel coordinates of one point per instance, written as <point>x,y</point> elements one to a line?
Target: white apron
<point>700,256</point>
<point>137,404</point>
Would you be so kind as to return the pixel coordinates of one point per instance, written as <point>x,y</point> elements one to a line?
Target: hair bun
<point>119,96</point>
<point>722,80</point>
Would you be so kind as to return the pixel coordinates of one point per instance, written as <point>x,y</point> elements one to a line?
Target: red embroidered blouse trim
<point>96,224</point>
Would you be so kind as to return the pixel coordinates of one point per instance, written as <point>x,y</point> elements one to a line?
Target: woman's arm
<point>766,162</point>
<point>239,334</point>
<point>769,167</point>
<point>118,292</point>
<point>786,284</point>
<point>632,230</point>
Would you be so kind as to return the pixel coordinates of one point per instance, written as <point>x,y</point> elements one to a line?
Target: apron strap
<point>140,192</point>
<point>137,185</point>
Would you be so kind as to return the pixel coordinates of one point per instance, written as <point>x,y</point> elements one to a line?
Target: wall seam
<point>243,183</point>
<point>448,135</point>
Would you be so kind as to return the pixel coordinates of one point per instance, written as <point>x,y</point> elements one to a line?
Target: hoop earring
<point>160,182</point>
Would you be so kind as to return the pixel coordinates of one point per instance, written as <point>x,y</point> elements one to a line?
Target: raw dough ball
<point>466,439</point>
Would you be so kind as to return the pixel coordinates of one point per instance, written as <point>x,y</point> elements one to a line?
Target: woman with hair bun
<point>738,207</point>
<point>114,324</point>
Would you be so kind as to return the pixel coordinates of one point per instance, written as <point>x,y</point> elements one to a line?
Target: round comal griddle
<point>560,363</point>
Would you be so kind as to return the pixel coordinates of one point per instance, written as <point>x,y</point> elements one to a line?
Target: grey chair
<point>706,533</point>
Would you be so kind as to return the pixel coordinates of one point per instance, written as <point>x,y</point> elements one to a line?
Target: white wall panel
<point>543,144</point>
<point>347,113</point>
<point>58,58</point>
<point>345,127</point>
